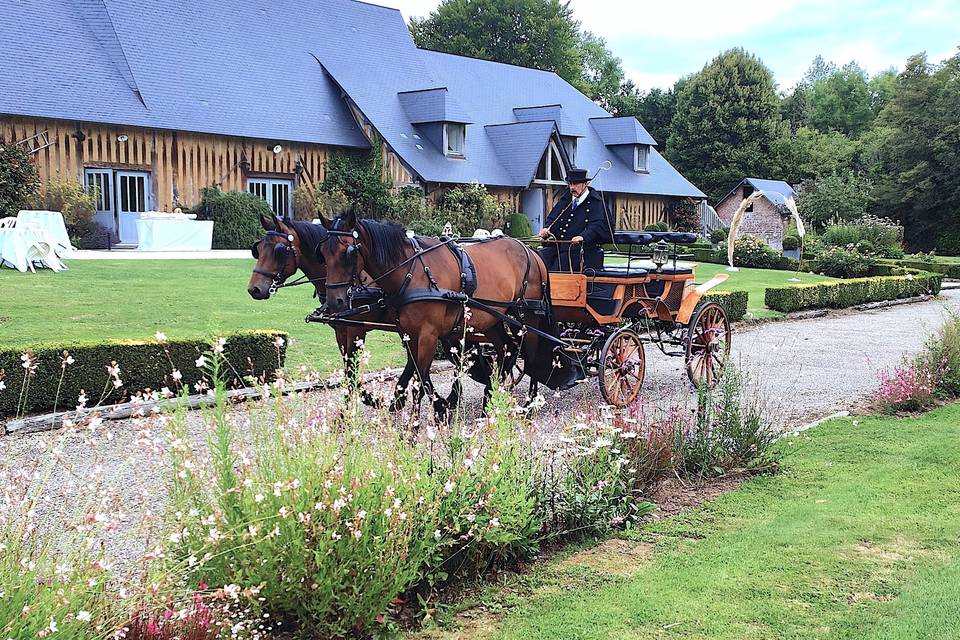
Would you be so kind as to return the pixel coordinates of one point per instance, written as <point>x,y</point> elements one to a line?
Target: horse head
<point>342,255</point>
<point>278,256</point>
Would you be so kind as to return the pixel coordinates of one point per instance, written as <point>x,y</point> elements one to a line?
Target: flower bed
<point>52,376</point>
<point>847,293</point>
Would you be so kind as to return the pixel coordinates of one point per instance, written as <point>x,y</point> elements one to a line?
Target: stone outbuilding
<point>766,218</point>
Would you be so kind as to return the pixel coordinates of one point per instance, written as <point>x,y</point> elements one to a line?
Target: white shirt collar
<point>583,196</point>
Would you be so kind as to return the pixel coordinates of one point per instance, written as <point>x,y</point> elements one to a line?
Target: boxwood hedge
<point>143,364</point>
<point>847,293</point>
<point>734,302</point>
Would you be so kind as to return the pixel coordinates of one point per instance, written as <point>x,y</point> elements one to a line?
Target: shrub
<point>733,302</point>
<point>50,382</point>
<point>469,207</point>
<point>948,243</point>
<point>838,262</point>
<point>791,243</point>
<point>657,226</point>
<point>865,248</point>
<point>847,293</point>
<point>750,251</point>
<point>930,263</point>
<point>18,179</point>
<point>910,387</point>
<point>518,226</point>
<point>90,235</point>
<point>69,198</point>
<point>884,235</point>
<point>719,234</point>
<point>684,216</point>
<point>235,215</point>
<point>410,204</point>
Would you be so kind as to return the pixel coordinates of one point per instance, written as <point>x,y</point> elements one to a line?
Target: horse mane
<point>388,241</point>
<point>311,235</point>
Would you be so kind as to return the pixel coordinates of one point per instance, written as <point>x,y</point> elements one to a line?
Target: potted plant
<point>718,235</point>
<point>791,247</point>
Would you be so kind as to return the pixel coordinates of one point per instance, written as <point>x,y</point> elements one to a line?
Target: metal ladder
<point>36,143</point>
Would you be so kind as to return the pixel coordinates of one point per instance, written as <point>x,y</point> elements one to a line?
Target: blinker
<point>255,250</point>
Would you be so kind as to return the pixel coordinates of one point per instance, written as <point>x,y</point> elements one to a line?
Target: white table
<point>174,234</point>
<point>52,224</point>
<point>26,244</point>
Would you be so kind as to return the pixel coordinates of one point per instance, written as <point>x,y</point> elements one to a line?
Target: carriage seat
<point>619,271</point>
<point>645,238</point>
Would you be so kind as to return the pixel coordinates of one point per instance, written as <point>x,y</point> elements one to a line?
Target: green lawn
<point>858,537</point>
<point>136,298</point>
<point>754,282</point>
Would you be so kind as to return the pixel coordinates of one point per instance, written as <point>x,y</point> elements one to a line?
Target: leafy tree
<point>842,101</point>
<point>18,179</point>
<point>727,124</point>
<point>833,198</point>
<point>531,33</point>
<point>654,109</point>
<point>918,178</point>
<point>601,73</point>
<point>815,154</point>
<point>796,105</point>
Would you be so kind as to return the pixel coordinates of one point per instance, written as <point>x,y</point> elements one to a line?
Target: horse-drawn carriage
<point>497,296</point>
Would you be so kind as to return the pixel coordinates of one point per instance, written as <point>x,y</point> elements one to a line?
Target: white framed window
<point>277,192</point>
<point>641,156</point>
<point>570,146</point>
<point>551,169</point>
<point>454,138</point>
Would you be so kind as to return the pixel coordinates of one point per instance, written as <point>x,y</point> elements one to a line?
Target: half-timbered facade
<point>151,121</point>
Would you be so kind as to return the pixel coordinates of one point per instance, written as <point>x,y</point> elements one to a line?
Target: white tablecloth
<point>52,224</point>
<point>174,234</point>
<point>24,245</point>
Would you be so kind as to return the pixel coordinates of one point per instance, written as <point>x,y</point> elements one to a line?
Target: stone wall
<point>764,221</point>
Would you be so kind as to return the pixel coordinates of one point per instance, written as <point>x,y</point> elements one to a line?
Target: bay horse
<point>292,245</point>
<point>427,285</point>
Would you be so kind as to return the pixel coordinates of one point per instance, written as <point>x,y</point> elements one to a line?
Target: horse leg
<point>403,382</point>
<point>424,348</point>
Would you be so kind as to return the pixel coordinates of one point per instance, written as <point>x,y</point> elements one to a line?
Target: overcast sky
<point>663,40</point>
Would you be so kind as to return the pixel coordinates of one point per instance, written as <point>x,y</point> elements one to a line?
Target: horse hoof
<point>368,399</point>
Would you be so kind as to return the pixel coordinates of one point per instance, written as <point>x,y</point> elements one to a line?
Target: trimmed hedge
<point>235,215</point>
<point>734,302</point>
<point>949,269</point>
<point>847,293</point>
<point>143,364</point>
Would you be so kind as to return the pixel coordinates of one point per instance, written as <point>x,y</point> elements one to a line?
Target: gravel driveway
<point>811,368</point>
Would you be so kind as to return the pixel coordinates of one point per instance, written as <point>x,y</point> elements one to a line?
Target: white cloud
<point>646,80</point>
<point>410,8</point>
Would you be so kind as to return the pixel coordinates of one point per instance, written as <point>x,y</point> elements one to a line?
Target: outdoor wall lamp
<point>122,137</point>
<point>661,253</point>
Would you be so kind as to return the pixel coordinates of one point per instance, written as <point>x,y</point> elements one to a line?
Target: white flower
<point>3,385</point>
<point>278,342</point>
<point>219,344</point>
<point>449,486</point>
<point>436,534</point>
<point>201,361</point>
<point>160,336</point>
<point>84,616</point>
<point>494,522</point>
<point>53,625</point>
<point>117,383</point>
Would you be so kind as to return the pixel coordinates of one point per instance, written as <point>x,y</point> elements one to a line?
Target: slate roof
<point>776,191</point>
<point>267,69</point>
<point>623,130</point>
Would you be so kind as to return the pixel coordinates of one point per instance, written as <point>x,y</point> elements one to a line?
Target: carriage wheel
<point>622,365</point>
<point>708,344</point>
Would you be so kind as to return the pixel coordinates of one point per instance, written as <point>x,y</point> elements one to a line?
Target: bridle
<point>284,254</point>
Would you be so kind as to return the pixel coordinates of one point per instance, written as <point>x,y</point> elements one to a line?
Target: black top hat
<point>577,175</point>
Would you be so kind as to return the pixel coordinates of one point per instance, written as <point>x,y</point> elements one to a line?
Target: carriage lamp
<point>661,253</point>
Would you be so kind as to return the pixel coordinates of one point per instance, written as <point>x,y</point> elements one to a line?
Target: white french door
<point>133,198</point>
<point>121,197</point>
<point>101,180</point>
<point>277,192</point>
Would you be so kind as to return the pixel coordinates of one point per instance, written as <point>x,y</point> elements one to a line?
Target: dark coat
<point>588,220</point>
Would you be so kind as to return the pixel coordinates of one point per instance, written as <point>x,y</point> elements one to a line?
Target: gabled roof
<point>234,67</point>
<point>776,191</point>
<point>622,130</point>
<point>262,69</point>
<point>432,105</point>
<point>554,112</point>
<point>520,146</point>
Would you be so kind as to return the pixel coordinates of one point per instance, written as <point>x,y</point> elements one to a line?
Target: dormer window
<point>570,146</point>
<point>641,156</point>
<point>454,139</point>
<point>551,170</point>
